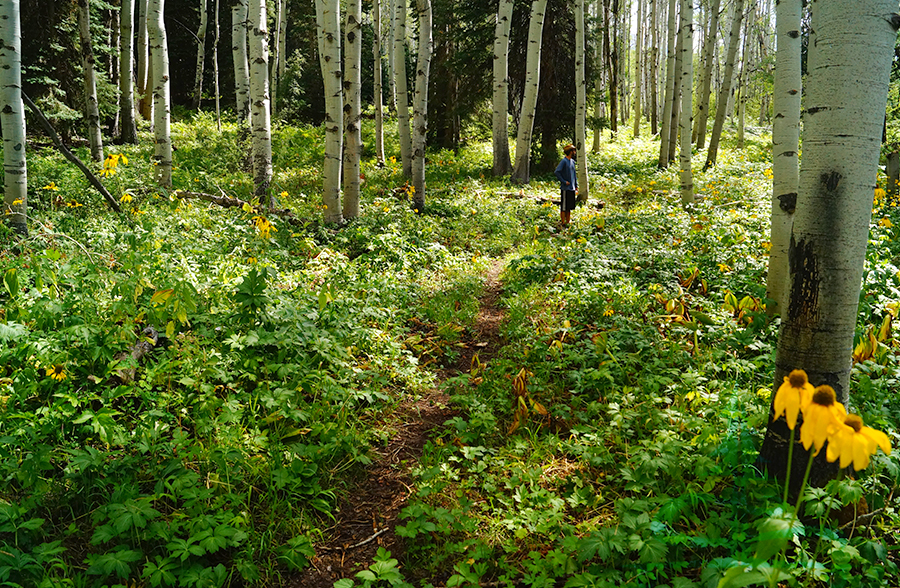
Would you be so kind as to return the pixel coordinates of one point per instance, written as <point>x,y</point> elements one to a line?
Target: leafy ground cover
<point>609,438</point>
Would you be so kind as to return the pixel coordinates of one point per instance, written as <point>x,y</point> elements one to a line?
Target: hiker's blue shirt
<point>565,172</point>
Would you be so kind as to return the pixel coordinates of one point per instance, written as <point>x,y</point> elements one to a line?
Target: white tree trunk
<point>126,76</point>
<point>522,170</point>
<point>201,55</point>
<point>400,84</point>
<point>91,105</point>
<point>706,81</point>
<point>392,38</point>
<point>329,34</point>
<point>598,85</point>
<point>638,55</point>
<point>580,103</point>
<point>260,115</point>
<point>669,98</point>
<point>500,134</point>
<point>216,37</point>
<point>352,105</point>
<point>420,104</point>
<point>725,91</point>
<point>654,67</point>
<point>145,104</point>
<point>379,89</point>
<point>687,108</point>
<point>274,77</point>
<point>785,149</point>
<point>844,103</point>
<point>282,40</point>
<point>161,98</point>
<point>241,65</point>
<point>12,118</point>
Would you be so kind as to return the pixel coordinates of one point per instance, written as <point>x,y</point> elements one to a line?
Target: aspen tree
<point>676,96</point>
<point>845,98</point>
<point>352,106</point>
<point>706,79</point>
<point>420,103</point>
<point>216,36</point>
<point>725,90</point>
<point>638,53</point>
<point>260,113</point>
<point>581,102</point>
<point>522,170</point>
<point>669,97</point>
<point>392,37</point>
<point>239,11</point>
<point>742,89</point>
<point>785,149</point>
<point>126,76</point>
<point>145,104</point>
<point>91,104</point>
<point>201,56</point>
<point>379,90</point>
<point>400,84</point>
<point>687,92</point>
<point>598,85</point>
<point>159,50</point>
<point>610,50</point>
<point>12,118</point>
<point>500,134</point>
<point>273,66</point>
<point>329,36</point>
<point>654,67</point>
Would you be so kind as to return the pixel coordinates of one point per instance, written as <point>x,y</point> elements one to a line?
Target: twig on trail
<point>48,128</point>
<point>226,201</point>
<point>861,520</point>
<point>360,544</point>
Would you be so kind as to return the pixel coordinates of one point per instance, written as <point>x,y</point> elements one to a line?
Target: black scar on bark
<point>788,202</point>
<point>804,301</point>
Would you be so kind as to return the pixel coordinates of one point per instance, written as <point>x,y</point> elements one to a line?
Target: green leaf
<point>774,533</point>
<point>344,583</point>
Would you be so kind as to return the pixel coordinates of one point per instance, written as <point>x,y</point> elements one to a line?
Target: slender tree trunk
<point>392,39</point>
<point>669,98</point>
<point>126,75</point>
<point>145,103</point>
<point>241,65</point>
<point>598,85</point>
<point>581,103</point>
<point>161,98</point>
<point>401,86</point>
<point>706,81</point>
<point>725,90</point>
<point>378,76</point>
<point>742,77</point>
<point>892,168</point>
<point>687,108</point>
<point>329,34</point>
<point>522,170</point>
<point>113,63</point>
<point>785,150</point>
<point>273,67</point>
<point>352,106</point>
<point>216,35</point>
<point>260,113</point>
<point>611,51</point>
<point>502,164</point>
<point>201,56</point>
<point>845,104</point>
<point>676,96</point>
<point>91,105</point>
<point>654,64</point>
<point>282,40</point>
<point>12,118</point>
<point>420,103</point>
<point>638,54</point>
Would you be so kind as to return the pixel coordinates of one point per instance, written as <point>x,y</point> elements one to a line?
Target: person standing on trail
<point>568,184</point>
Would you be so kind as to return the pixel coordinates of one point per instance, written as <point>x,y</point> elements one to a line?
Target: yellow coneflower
<point>794,394</point>
<point>821,418</point>
<point>854,442</point>
<point>57,372</point>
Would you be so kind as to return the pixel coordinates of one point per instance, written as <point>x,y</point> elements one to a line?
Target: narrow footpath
<point>367,516</point>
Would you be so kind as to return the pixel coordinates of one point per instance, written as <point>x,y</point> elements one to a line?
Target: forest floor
<point>366,518</point>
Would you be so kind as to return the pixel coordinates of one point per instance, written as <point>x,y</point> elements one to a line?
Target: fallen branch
<point>355,545</point>
<point>226,201</point>
<point>862,520</point>
<point>126,373</point>
<point>48,128</point>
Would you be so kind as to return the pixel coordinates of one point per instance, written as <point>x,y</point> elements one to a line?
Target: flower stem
<point>805,479</point>
<point>787,476</point>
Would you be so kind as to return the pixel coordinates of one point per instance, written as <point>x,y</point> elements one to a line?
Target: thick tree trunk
<point>522,170</point>
<point>91,104</point>
<point>687,108</point>
<point>785,149</point>
<point>126,76</point>
<point>845,105</point>
<point>502,163</point>
<point>581,103</point>
<point>420,103</point>
<point>352,105</point>
<point>400,84</point>
<point>669,98</point>
<point>161,98</point>
<point>241,65</point>
<point>379,89</point>
<point>329,35</point>
<point>145,103</point>
<point>12,118</point>
<point>638,55</point>
<point>706,81</point>
<point>201,56</point>
<point>260,113</point>
<point>725,90</point>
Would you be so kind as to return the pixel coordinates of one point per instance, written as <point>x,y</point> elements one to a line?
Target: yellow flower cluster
<point>264,227</point>
<point>57,372</point>
<point>825,419</point>
<point>111,163</point>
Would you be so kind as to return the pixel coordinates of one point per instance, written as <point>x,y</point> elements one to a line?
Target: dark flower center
<point>854,421</point>
<point>824,395</point>
<point>797,379</point>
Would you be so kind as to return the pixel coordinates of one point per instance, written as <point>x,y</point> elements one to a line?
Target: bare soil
<point>367,516</point>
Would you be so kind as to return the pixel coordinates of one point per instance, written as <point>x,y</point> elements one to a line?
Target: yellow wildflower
<point>794,394</point>
<point>57,372</point>
<point>126,197</point>
<point>608,312</point>
<point>17,202</point>
<point>821,418</point>
<point>886,223</point>
<point>51,186</point>
<point>855,442</point>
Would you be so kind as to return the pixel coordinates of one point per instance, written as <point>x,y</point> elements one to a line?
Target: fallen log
<point>226,201</point>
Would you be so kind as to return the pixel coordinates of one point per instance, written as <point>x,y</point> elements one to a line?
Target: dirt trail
<point>366,518</point>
